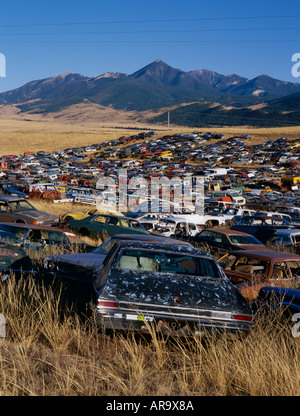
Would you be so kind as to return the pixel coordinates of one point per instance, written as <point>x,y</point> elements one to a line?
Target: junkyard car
<point>224,240</point>
<point>37,237</point>
<point>81,267</point>
<point>101,225</point>
<point>78,215</point>
<point>175,226</point>
<point>286,239</point>
<point>260,267</point>
<point>19,210</point>
<point>261,227</point>
<point>272,298</point>
<point>179,290</point>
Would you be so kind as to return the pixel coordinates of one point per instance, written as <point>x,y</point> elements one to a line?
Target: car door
<point>112,225</point>
<point>97,224</point>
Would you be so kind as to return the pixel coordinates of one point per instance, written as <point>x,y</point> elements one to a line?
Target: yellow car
<point>79,215</point>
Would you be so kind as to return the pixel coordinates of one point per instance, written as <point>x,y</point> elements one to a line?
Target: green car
<point>103,226</point>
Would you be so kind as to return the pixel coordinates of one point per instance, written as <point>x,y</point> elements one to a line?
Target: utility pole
<point>168,120</point>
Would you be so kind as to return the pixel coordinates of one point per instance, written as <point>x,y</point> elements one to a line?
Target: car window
<point>296,239</point>
<point>12,235</point>
<point>206,234</point>
<point>251,266</point>
<point>280,271</point>
<point>192,226</point>
<point>168,263</point>
<point>20,205</point>
<point>112,221</point>
<point>294,266</point>
<point>134,224</point>
<point>256,222</point>
<point>4,207</point>
<point>57,237</point>
<point>243,239</point>
<point>100,218</point>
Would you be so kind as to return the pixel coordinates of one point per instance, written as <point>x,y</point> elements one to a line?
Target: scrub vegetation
<point>49,351</point>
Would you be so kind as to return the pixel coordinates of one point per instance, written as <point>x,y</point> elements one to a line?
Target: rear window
<point>174,263</point>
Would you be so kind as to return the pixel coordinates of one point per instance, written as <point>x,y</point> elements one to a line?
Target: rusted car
<point>248,268</point>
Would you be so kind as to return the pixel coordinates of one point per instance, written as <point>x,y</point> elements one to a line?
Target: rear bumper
<point>178,326</point>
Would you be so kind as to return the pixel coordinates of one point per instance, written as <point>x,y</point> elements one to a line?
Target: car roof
<point>36,227</point>
<point>4,197</point>
<point>267,254</point>
<point>293,231</point>
<point>149,237</point>
<point>182,248</point>
<point>227,231</point>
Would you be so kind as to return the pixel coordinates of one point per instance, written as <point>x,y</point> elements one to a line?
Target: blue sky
<point>41,39</point>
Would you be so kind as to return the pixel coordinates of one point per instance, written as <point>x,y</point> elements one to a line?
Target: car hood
<point>38,215</point>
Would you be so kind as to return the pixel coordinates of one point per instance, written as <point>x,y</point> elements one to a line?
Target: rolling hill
<point>159,85</point>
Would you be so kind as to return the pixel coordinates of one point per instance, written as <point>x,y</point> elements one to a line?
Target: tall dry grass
<point>46,353</point>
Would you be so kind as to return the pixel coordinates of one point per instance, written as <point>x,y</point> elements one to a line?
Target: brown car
<point>257,268</point>
<point>222,240</point>
<point>19,210</point>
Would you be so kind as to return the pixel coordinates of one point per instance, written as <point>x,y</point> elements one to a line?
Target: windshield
<point>167,223</point>
<point>243,239</point>
<point>12,235</point>
<point>20,205</point>
<point>174,263</point>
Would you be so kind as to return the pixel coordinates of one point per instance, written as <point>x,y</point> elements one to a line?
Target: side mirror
<point>223,265</point>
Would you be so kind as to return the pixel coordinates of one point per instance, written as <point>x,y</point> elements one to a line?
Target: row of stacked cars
<point>182,283</point>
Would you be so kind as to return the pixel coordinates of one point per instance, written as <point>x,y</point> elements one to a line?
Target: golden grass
<point>18,136</point>
<point>45,354</point>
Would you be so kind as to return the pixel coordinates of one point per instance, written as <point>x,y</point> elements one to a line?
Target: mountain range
<point>211,95</point>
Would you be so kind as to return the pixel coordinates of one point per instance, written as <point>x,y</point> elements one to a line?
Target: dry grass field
<point>45,354</point>
<point>82,125</point>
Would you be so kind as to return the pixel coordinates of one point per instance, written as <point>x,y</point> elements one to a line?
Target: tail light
<point>243,317</point>
<point>106,304</point>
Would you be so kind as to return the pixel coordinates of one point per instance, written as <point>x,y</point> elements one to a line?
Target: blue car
<point>276,297</point>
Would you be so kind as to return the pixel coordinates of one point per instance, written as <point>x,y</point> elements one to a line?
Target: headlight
<point>49,265</point>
